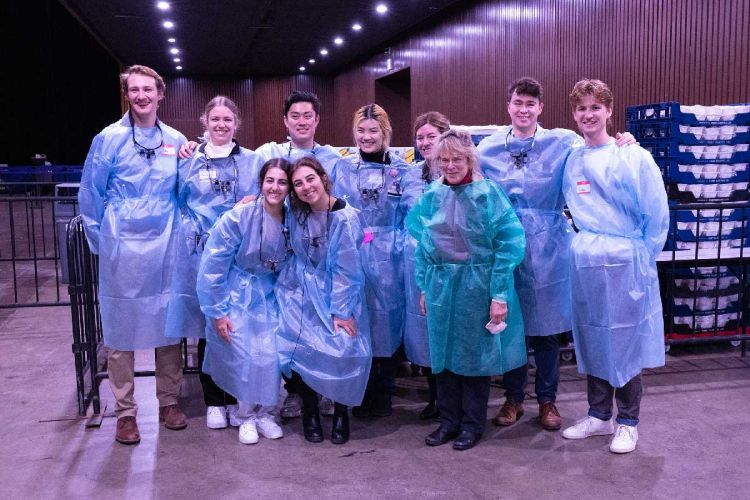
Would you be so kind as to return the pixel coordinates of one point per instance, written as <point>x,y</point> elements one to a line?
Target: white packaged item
<point>726,151</point>
<point>741,148</point>
<point>495,328</point>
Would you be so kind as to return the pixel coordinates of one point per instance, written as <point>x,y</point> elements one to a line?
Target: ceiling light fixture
<point>174,50</point>
<point>168,24</point>
<point>311,61</point>
<point>338,40</point>
<point>381,8</point>
<point>171,40</point>
<point>356,27</point>
<point>302,68</point>
<point>162,5</point>
<point>178,67</point>
<point>323,52</point>
<point>177,59</point>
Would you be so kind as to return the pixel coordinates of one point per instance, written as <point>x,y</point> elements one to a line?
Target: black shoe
<point>340,431</point>
<point>361,411</point>
<point>430,411</point>
<point>311,427</point>
<point>440,436</point>
<point>382,406</point>
<point>466,440</point>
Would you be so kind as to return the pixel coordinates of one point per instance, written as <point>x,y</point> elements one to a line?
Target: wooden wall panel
<point>187,97</point>
<point>691,51</point>
<point>269,97</point>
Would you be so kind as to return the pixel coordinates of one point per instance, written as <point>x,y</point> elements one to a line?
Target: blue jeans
<point>547,357</point>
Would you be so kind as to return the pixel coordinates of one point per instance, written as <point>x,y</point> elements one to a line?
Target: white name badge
<point>583,187</point>
<point>204,174</point>
<point>168,150</point>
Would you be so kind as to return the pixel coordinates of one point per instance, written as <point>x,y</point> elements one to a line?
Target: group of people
<point>294,265</point>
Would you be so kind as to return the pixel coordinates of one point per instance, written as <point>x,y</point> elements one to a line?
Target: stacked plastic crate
<point>703,153</point>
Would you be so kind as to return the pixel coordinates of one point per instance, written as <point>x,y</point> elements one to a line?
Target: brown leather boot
<point>127,431</point>
<point>549,416</point>
<point>172,417</point>
<point>509,414</point>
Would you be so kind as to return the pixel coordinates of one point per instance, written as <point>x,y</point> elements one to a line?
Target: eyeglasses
<point>222,185</point>
<point>372,185</point>
<point>143,151</point>
<point>272,263</point>
<point>457,160</point>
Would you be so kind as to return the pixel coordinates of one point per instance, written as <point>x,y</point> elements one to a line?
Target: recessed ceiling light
<point>302,68</point>
<point>174,50</point>
<point>162,5</point>
<point>323,52</point>
<point>356,27</point>
<point>178,67</point>
<point>177,59</point>
<point>381,8</point>
<point>168,24</point>
<point>338,40</point>
<point>171,40</point>
<point>311,61</point>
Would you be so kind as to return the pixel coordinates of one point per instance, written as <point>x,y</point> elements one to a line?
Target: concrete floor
<point>694,442</point>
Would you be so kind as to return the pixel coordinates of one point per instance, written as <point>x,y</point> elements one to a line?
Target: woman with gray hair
<point>469,241</point>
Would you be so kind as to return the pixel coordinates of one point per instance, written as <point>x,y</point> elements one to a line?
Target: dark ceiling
<point>250,37</point>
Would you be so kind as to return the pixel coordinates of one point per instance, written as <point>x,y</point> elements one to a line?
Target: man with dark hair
<point>527,160</point>
<point>129,209</point>
<point>301,118</point>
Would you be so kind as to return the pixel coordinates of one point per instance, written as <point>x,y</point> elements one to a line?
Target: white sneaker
<point>626,437</point>
<point>589,426</point>
<point>248,432</point>
<point>292,406</point>
<point>326,406</point>
<point>216,417</point>
<point>268,428</point>
<point>232,410</point>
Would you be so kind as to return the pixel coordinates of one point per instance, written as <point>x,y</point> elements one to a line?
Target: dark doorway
<point>393,93</point>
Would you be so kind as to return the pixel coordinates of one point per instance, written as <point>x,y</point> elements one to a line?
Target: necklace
<point>145,152</point>
<point>520,158</point>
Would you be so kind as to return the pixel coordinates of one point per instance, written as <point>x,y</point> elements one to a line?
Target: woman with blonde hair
<point>469,241</point>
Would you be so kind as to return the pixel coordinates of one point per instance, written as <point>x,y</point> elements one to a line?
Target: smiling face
<point>369,136</point>
<point>426,137</point>
<point>301,122</point>
<point>275,186</point>
<point>221,125</point>
<point>143,97</point>
<point>591,116</point>
<point>524,111</point>
<point>309,188</point>
<point>454,166</point>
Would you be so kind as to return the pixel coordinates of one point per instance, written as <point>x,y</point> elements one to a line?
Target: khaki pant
<point>121,370</point>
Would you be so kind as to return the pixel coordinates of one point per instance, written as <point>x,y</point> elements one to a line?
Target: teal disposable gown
<point>129,207</point>
<point>535,191</point>
<point>376,191</point>
<point>244,254</point>
<point>618,202</point>
<point>416,340</point>
<point>469,242</point>
<point>326,155</point>
<point>202,201</point>
<point>323,280</point>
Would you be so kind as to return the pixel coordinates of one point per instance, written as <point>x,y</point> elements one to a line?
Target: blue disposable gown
<point>469,241</point>
<point>618,202</point>
<point>236,279</point>
<point>416,340</point>
<point>323,280</point>
<point>326,155</point>
<point>200,205</point>
<point>129,208</point>
<point>535,191</point>
<point>376,191</point>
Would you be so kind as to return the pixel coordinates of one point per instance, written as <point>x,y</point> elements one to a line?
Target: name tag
<point>583,187</point>
<point>204,174</point>
<point>168,150</point>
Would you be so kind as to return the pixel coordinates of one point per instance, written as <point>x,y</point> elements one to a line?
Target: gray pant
<point>628,399</point>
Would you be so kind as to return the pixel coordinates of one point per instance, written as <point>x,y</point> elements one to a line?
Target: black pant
<point>628,399</point>
<point>213,395</point>
<point>310,397</point>
<point>547,357</point>
<point>462,401</point>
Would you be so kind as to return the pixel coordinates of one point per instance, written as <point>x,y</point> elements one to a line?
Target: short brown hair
<point>434,118</point>
<point>138,69</point>
<point>306,161</point>
<point>526,86</point>
<point>596,88</point>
